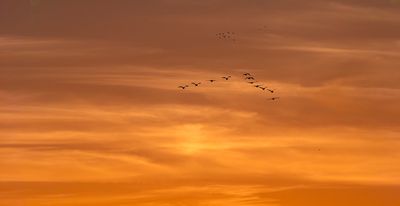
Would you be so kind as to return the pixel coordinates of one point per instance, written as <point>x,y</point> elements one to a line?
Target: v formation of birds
<point>249,78</point>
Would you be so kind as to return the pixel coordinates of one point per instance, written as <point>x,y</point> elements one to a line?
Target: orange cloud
<point>90,112</point>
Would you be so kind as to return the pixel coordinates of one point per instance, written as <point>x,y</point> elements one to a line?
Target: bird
<point>226,78</point>
<point>212,80</point>
<point>263,88</point>
<point>196,84</point>
<point>270,90</point>
<point>251,82</point>
<point>252,78</point>
<point>246,74</point>
<point>274,98</point>
<point>257,85</point>
<point>183,87</point>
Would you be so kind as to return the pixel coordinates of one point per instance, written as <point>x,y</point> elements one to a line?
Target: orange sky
<point>90,112</point>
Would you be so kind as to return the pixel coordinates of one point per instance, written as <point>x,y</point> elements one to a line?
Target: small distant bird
<point>226,78</point>
<point>263,88</point>
<point>212,80</point>
<point>252,78</point>
<point>246,74</point>
<point>251,82</point>
<point>257,86</point>
<point>183,87</point>
<point>274,98</point>
<point>270,90</point>
<point>196,84</point>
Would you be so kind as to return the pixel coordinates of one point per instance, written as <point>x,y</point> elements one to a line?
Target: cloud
<point>132,193</point>
<point>91,113</point>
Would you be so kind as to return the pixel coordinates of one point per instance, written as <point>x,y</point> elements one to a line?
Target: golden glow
<point>90,112</point>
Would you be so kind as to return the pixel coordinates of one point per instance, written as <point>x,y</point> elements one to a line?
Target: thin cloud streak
<point>337,50</point>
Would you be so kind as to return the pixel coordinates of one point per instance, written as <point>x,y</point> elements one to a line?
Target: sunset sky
<point>90,112</point>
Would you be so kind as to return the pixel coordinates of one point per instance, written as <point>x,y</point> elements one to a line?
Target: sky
<point>90,112</point>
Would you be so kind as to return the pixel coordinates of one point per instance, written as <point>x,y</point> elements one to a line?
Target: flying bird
<point>274,98</point>
<point>246,74</point>
<point>183,87</point>
<point>263,88</point>
<point>212,80</point>
<point>196,84</point>
<point>270,90</point>
<point>250,78</point>
<point>257,86</point>
<point>251,82</point>
<point>226,78</point>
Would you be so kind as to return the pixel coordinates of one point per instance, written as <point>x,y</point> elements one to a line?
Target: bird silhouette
<point>226,78</point>
<point>196,84</point>
<point>258,86</point>
<point>251,82</point>
<point>270,90</point>
<point>246,74</point>
<point>249,78</point>
<point>263,88</point>
<point>212,80</point>
<point>183,87</point>
<point>274,98</point>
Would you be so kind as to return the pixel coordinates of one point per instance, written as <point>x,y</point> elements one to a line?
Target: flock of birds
<point>231,36</point>
<point>226,36</point>
<point>250,79</point>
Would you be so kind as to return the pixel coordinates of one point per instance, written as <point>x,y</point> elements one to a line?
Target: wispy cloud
<point>343,51</point>
<point>90,112</point>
